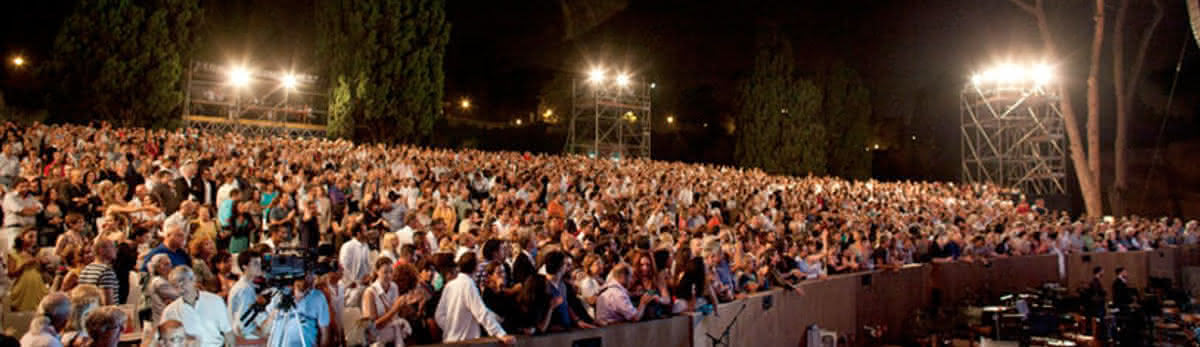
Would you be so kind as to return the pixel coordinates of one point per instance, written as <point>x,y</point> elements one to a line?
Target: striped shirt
<point>101,275</point>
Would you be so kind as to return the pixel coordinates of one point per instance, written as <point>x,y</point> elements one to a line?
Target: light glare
<point>623,80</point>
<point>239,76</point>
<point>596,75</point>
<point>289,81</point>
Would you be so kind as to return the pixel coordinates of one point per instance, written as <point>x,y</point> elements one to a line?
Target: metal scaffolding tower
<point>1012,136</point>
<point>610,119</point>
<point>264,103</point>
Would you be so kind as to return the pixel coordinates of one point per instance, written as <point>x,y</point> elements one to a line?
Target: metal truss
<point>1012,136</point>
<point>261,107</point>
<point>610,120</point>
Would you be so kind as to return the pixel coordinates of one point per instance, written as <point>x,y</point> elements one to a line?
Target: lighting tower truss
<point>610,120</point>
<point>1012,136</point>
<point>263,105</point>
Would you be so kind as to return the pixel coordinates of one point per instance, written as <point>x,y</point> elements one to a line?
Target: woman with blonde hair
<point>84,299</point>
<point>387,247</point>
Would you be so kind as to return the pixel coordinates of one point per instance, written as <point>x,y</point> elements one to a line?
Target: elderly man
<point>172,246</point>
<point>182,218</point>
<point>100,272</point>
<point>20,211</point>
<point>613,304</point>
<point>203,314</point>
<point>53,312</point>
<point>104,326</point>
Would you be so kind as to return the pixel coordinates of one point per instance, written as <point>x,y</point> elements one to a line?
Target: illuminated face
<point>174,338</point>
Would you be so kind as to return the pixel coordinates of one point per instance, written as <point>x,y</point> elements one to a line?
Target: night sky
<point>913,55</point>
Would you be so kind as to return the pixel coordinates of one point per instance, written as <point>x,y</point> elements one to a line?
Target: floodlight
<point>289,81</point>
<point>1041,74</point>
<point>1010,73</point>
<point>623,80</point>
<point>976,79</point>
<point>239,76</point>
<point>596,75</point>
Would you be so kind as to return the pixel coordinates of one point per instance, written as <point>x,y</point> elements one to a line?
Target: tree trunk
<point>1124,92</point>
<point>1089,186</point>
<point>1093,99</point>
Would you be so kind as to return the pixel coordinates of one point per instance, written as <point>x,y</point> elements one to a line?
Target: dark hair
<point>138,231</point>
<point>1120,270</point>
<point>467,263</point>
<point>222,256</point>
<point>244,258</point>
<point>554,261</point>
<point>491,246</point>
<point>382,262</point>
<point>1097,270</point>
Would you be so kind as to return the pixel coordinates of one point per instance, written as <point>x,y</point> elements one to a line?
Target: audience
<point>442,246</point>
<point>104,326</point>
<point>53,313</point>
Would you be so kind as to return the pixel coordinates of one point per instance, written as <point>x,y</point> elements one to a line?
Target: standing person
<point>21,208</point>
<point>302,323</point>
<point>1123,295</point>
<point>172,246</point>
<point>243,295</point>
<point>381,307</point>
<point>354,259</point>
<point>100,272</point>
<point>203,314</point>
<point>127,258</point>
<point>461,311</point>
<point>26,268</point>
<point>613,304</point>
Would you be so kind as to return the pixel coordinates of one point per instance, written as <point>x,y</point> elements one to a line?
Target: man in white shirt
<point>223,191</point>
<point>20,211</point>
<point>181,219</point>
<point>10,166</point>
<point>354,258</point>
<point>461,311</point>
<point>57,307</point>
<point>243,295</point>
<point>203,314</point>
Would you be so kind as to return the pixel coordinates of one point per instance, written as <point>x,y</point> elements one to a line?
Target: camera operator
<point>203,314</point>
<point>244,295</point>
<point>302,322</point>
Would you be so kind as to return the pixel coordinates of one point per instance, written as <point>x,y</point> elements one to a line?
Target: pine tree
<point>385,63</point>
<point>123,60</point>
<point>846,109</point>
<point>777,123</point>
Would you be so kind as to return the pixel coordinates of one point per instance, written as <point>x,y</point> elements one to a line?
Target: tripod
<point>723,340</point>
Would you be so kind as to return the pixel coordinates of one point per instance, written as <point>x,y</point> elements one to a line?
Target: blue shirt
<point>225,213</point>
<point>724,274</point>
<point>298,326</point>
<point>177,257</point>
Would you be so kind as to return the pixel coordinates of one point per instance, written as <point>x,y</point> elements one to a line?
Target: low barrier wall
<point>847,303</point>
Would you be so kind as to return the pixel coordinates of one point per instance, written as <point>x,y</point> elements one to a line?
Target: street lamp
<point>465,104</point>
<point>18,61</point>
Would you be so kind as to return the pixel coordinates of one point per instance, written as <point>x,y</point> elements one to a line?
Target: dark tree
<point>385,66</point>
<point>123,60</point>
<point>846,109</point>
<point>777,124</point>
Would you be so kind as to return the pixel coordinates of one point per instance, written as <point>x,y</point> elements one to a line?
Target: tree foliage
<point>846,109</point>
<point>385,66</point>
<point>123,60</point>
<point>777,124</point>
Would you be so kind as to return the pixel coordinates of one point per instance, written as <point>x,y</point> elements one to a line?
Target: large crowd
<point>429,245</point>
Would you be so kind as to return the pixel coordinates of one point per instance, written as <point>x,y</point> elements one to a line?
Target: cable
<point>1163,126</point>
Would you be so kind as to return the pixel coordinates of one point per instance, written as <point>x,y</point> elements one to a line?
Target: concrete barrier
<point>847,303</point>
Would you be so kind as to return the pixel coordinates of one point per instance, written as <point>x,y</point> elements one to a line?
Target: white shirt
<point>461,311</point>
<point>355,260</point>
<point>207,320</point>
<point>223,192</point>
<point>41,336</point>
<point>405,236</point>
<point>241,297</point>
<point>9,165</point>
<point>13,204</point>
<point>178,220</point>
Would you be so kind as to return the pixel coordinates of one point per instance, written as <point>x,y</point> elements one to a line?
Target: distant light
<point>976,79</point>
<point>705,125</point>
<point>1036,74</point>
<point>518,121</point>
<point>596,75</point>
<point>465,104</point>
<point>239,76</point>
<point>670,120</point>
<point>19,61</point>
<point>783,111</point>
<point>1041,74</point>
<point>914,137</point>
<point>623,80</point>
<point>548,113</point>
<point>652,85</point>
<point>876,146</point>
<point>289,81</point>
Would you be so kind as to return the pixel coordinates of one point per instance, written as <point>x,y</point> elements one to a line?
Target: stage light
<point>596,75</point>
<point>1041,74</point>
<point>976,79</point>
<point>1009,73</point>
<point>239,76</point>
<point>289,81</point>
<point>465,104</point>
<point>623,80</point>
<point>18,61</point>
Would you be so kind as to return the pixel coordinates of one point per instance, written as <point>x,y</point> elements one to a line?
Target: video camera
<point>283,268</point>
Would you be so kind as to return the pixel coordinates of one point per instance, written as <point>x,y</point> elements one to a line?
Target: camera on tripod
<point>283,268</point>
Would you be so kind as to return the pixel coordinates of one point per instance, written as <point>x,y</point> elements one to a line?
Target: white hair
<point>55,306</point>
<point>154,261</point>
